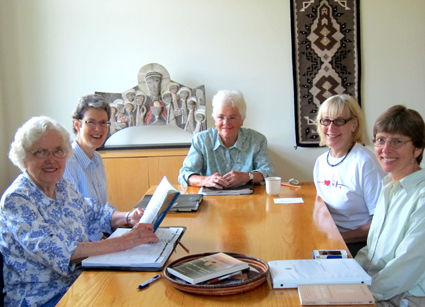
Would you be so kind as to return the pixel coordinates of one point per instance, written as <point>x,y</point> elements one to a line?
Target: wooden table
<point>251,224</point>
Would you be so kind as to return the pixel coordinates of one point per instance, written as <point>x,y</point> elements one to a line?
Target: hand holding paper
<point>161,202</point>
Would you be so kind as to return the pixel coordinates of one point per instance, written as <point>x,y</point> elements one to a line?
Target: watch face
<point>251,176</point>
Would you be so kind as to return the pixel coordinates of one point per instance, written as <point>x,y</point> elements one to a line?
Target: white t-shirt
<point>350,189</point>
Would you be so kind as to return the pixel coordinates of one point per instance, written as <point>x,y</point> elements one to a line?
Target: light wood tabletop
<point>252,225</point>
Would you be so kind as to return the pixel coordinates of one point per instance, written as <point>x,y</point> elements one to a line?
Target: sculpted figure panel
<point>158,100</point>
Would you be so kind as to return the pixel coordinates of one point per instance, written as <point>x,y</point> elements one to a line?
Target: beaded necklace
<point>333,165</point>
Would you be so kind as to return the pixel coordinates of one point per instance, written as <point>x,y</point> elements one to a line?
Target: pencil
<point>290,185</point>
<point>184,247</point>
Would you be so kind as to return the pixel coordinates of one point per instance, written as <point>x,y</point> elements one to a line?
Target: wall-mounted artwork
<point>157,100</point>
<point>325,57</point>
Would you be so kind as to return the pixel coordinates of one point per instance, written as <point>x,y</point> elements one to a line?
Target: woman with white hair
<point>45,222</point>
<point>227,155</point>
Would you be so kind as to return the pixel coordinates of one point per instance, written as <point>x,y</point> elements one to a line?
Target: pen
<point>147,283</point>
<point>214,280</point>
<point>184,247</point>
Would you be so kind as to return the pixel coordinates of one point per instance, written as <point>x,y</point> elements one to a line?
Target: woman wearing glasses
<point>347,177</point>
<point>395,252</point>
<point>227,155</point>
<point>45,223</point>
<point>85,169</point>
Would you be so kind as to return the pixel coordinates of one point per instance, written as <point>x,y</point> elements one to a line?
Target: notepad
<point>244,189</point>
<point>145,257</point>
<point>184,203</point>
<point>292,273</point>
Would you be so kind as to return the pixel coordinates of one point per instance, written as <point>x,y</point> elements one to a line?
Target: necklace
<point>333,165</point>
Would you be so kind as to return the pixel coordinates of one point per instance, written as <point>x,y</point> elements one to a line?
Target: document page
<point>145,255</point>
<point>161,202</point>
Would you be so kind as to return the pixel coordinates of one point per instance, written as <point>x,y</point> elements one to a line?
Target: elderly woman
<point>227,155</point>
<point>394,255</point>
<point>45,223</point>
<point>85,168</point>
<point>347,177</point>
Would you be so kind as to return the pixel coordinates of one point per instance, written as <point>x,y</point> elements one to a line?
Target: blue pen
<point>147,283</point>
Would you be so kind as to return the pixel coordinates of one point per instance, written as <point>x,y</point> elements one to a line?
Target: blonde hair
<point>338,106</point>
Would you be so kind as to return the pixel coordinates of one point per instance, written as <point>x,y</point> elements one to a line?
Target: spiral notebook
<point>145,257</point>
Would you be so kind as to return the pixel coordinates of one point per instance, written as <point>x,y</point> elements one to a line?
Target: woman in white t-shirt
<point>348,177</point>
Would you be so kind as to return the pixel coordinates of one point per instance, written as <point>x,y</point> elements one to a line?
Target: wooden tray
<point>222,288</point>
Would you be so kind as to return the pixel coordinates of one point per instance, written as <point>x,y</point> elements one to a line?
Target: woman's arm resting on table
<point>215,181</point>
<point>139,234</point>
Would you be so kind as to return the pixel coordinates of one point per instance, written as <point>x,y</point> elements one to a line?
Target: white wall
<point>54,51</point>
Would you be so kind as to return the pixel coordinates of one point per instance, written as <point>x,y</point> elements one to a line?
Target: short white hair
<point>228,98</point>
<point>31,132</point>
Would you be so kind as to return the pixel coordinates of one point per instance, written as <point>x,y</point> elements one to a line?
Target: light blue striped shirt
<point>208,155</point>
<point>88,176</point>
<point>395,251</point>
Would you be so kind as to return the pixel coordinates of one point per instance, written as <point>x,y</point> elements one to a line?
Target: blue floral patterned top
<point>38,235</point>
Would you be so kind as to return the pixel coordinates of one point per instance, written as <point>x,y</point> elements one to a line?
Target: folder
<point>291,273</point>
<point>145,257</point>
<point>184,203</point>
<point>244,189</point>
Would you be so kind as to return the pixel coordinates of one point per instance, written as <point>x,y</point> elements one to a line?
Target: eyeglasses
<point>44,153</point>
<point>337,122</point>
<point>394,143</point>
<point>93,123</point>
<point>221,118</point>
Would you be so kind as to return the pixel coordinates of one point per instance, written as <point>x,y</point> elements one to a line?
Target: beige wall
<point>54,51</point>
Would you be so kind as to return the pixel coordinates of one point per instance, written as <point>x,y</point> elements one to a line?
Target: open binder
<point>145,257</point>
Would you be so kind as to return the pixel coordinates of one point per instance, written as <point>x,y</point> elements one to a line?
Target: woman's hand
<point>134,216</point>
<point>235,178</point>
<point>141,234</point>
<point>216,181</point>
<point>138,235</point>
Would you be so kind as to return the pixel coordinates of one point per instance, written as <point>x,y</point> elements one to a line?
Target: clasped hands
<point>231,179</point>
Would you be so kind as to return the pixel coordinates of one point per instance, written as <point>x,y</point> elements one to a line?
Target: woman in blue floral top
<point>45,223</point>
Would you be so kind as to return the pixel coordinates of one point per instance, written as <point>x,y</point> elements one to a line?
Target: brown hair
<point>401,120</point>
<point>94,101</point>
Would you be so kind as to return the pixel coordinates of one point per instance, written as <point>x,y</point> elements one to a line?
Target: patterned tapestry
<point>326,58</point>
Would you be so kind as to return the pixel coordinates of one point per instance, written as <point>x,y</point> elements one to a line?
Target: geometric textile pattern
<point>325,58</point>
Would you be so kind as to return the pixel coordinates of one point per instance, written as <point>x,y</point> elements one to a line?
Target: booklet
<point>184,203</point>
<point>339,294</point>
<point>161,202</point>
<point>208,267</point>
<point>292,273</point>
<point>145,257</point>
<point>244,189</point>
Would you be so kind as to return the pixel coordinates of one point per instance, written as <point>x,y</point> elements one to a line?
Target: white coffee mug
<point>273,185</point>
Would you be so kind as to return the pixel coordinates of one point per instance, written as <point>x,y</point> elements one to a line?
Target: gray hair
<point>94,101</point>
<point>31,132</point>
<point>232,99</point>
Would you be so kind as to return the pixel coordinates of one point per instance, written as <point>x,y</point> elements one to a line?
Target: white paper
<point>296,200</point>
<point>160,201</point>
<point>145,255</point>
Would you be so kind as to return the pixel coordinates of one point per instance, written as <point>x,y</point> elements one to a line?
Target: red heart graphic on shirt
<point>327,182</point>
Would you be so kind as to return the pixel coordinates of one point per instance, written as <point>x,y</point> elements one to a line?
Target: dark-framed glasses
<point>231,118</point>
<point>42,153</point>
<point>93,124</point>
<point>394,143</point>
<point>337,121</point>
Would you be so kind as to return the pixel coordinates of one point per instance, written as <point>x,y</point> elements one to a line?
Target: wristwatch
<point>251,176</point>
